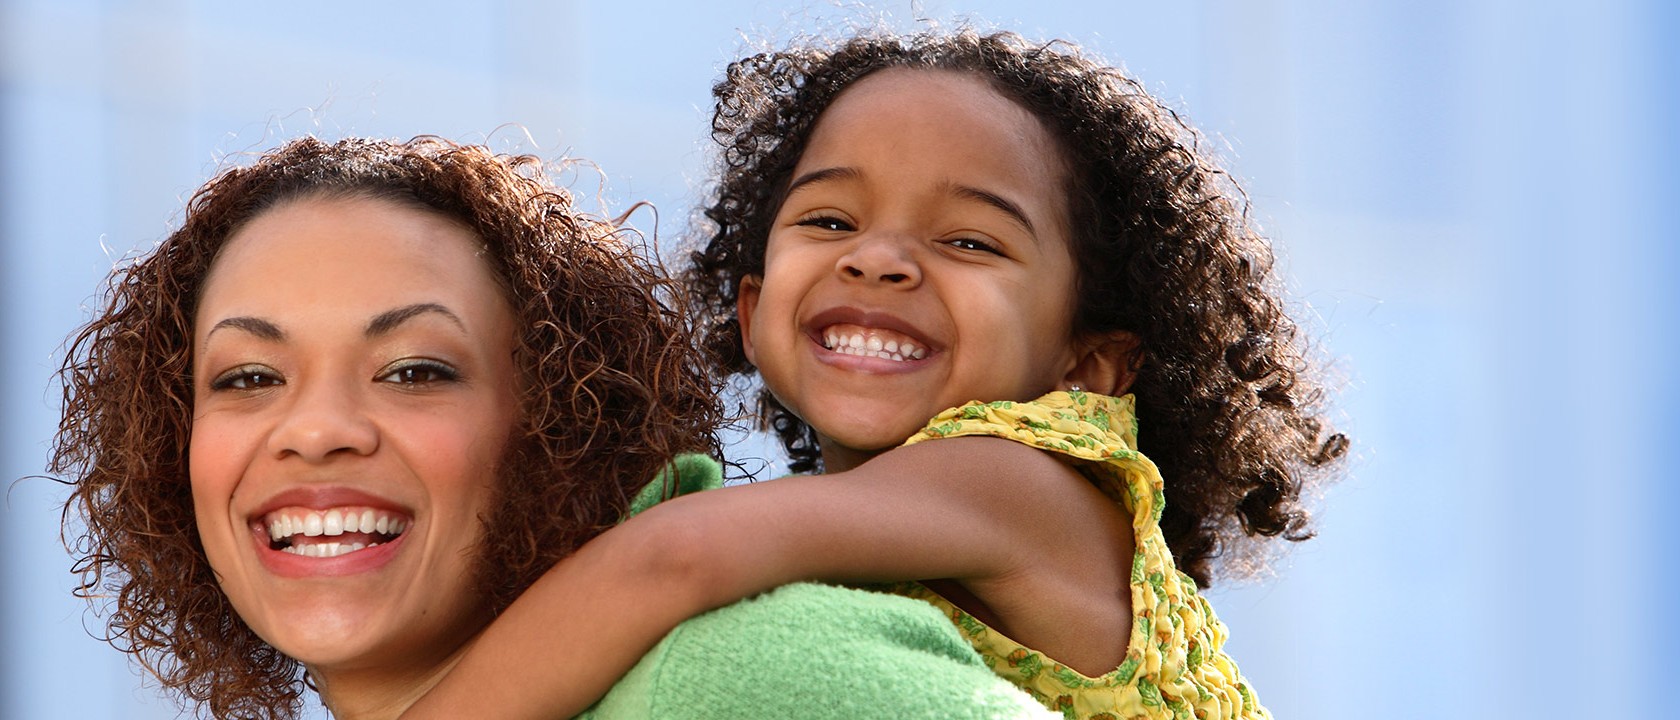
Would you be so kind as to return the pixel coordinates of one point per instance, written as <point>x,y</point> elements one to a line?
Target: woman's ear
<point>1107,363</point>
<point>746,303</point>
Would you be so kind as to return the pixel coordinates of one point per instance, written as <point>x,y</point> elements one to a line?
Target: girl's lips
<point>871,342</point>
<point>846,327</point>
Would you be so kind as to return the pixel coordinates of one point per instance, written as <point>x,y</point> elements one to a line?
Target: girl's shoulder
<point>1096,433</point>
<point>1175,662</point>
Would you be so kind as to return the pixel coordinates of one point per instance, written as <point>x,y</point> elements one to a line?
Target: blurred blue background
<point>1473,201</point>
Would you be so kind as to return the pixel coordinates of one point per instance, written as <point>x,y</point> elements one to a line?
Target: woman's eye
<point>246,378</point>
<point>422,372</point>
<point>827,223</point>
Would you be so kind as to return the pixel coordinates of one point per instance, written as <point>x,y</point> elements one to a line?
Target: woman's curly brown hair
<point>612,388</point>
<point>1162,240</point>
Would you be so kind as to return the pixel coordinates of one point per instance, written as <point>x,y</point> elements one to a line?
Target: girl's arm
<point>979,510</point>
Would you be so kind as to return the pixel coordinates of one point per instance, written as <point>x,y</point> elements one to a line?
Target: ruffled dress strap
<point>1175,664</point>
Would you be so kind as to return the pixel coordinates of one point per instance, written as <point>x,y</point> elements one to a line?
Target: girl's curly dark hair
<point>611,384</point>
<point>1162,240</point>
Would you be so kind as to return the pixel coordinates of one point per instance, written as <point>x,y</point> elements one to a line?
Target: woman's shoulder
<point>686,473</point>
<point>816,651</point>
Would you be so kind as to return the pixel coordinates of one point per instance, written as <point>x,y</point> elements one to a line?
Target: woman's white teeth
<point>337,521</point>
<point>326,550</point>
<point>873,346</point>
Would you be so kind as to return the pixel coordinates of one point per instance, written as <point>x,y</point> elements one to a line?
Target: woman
<point>372,331</point>
<point>363,397</point>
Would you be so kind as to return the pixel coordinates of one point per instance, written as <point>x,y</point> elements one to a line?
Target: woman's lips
<point>321,557</point>
<point>329,533</point>
<point>313,531</point>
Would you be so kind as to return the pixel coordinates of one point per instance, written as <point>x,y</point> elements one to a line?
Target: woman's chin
<point>324,626</point>
<point>360,634</point>
<point>374,607</point>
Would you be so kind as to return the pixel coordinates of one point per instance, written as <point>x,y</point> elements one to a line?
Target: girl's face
<point>353,391</point>
<point>921,260</point>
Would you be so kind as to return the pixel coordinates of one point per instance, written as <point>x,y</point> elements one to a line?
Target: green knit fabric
<point>808,650</point>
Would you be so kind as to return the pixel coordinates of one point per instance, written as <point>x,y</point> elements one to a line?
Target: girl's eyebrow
<point>1007,206</point>
<point>995,200</point>
<point>823,175</point>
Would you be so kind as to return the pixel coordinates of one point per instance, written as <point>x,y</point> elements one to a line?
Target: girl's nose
<point>323,422</point>
<point>881,258</point>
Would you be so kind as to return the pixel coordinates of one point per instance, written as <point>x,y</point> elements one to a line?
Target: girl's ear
<point>746,303</point>
<point>1107,363</point>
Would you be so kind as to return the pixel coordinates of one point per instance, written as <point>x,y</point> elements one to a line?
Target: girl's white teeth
<point>855,343</point>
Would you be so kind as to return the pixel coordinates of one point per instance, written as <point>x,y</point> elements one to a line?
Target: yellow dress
<point>1175,665</point>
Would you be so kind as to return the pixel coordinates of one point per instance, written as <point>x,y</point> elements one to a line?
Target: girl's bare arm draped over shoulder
<point>912,513</point>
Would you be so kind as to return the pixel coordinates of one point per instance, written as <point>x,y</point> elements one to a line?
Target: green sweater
<point>809,651</point>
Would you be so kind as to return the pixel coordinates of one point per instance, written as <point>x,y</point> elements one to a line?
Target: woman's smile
<point>310,531</point>
<point>354,397</point>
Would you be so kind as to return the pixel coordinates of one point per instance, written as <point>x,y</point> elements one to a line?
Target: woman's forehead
<point>310,256</point>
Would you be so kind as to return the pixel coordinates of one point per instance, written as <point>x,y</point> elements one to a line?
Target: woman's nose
<point>881,258</point>
<point>322,422</point>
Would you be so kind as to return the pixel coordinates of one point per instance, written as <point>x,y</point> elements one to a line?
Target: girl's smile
<point>920,260</point>
<point>850,333</point>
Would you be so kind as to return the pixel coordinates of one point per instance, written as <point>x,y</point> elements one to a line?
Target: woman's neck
<point>381,693</point>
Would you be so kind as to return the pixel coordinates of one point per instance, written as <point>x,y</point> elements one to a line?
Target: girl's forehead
<point>954,91</point>
<point>893,104</point>
<point>944,130</point>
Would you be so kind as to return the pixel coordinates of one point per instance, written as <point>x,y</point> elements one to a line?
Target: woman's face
<point>353,392</point>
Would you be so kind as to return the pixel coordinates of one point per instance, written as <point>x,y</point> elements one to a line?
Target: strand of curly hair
<point>611,385</point>
<point>1228,408</point>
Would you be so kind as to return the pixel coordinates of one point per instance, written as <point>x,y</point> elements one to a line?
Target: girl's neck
<point>836,458</point>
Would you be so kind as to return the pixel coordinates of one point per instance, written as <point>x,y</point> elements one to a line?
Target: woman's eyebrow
<point>256,326</point>
<point>387,321</point>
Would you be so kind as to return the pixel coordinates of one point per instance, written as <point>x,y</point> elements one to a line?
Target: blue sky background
<point>1473,202</point>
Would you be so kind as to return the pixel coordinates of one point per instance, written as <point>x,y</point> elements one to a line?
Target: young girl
<point>1020,244</point>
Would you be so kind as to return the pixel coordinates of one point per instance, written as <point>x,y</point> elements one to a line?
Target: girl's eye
<point>973,244</point>
<point>825,222</point>
<point>247,377</point>
<point>419,372</point>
